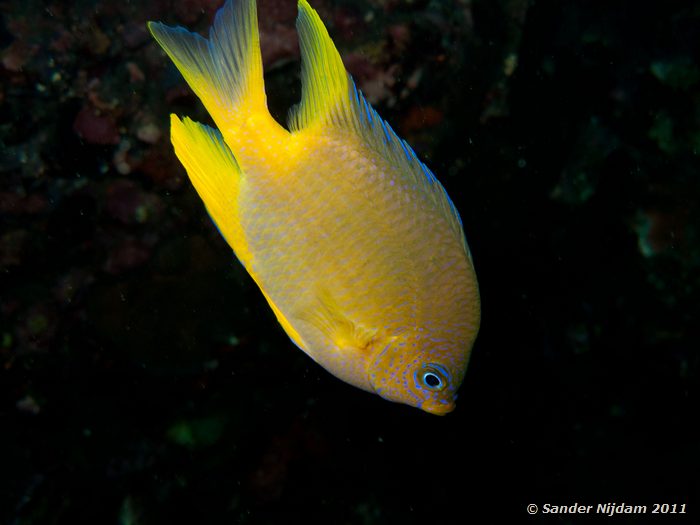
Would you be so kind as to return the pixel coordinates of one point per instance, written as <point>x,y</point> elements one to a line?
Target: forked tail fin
<point>225,70</point>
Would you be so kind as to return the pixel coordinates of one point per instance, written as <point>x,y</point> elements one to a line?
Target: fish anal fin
<point>215,174</point>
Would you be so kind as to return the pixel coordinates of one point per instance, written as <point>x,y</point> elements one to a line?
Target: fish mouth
<point>439,408</point>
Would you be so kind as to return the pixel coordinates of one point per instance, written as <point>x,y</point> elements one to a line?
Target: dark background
<point>143,379</point>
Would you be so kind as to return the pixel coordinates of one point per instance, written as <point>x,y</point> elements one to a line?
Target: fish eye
<point>431,380</point>
<point>432,376</point>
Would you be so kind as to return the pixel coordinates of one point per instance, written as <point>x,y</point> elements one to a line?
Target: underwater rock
<point>149,133</point>
<point>71,284</point>
<point>134,34</point>
<point>96,40</point>
<point>135,73</point>
<point>278,46</point>
<point>95,128</point>
<point>17,55</point>
<point>375,81</point>
<point>420,117</point>
<point>159,165</point>
<point>347,23</point>
<point>15,203</point>
<point>658,231</point>
<point>28,405</point>
<point>127,203</point>
<point>179,94</point>
<point>12,248</point>
<point>278,38</point>
<point>189,11</point>
<point>121,159</point>
<point>130,253</point>
<point>400,36</point>
<point>680,73</point>
<point>36,328</point>
<point>299,442</point>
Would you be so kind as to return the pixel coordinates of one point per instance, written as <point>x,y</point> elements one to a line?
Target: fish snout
<point>439,407</point>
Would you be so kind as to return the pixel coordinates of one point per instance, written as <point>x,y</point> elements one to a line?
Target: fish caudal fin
<point>330,98</point>
<point>215,175</point>
<point>225,70</point>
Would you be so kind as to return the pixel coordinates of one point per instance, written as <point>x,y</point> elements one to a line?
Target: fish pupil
<point>432,380</point>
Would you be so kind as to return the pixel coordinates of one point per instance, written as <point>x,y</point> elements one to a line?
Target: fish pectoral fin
<point>326,315</point>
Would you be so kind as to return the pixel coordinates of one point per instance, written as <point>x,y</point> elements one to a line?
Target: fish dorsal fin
<point>330,98</point>
<point>324,81</point>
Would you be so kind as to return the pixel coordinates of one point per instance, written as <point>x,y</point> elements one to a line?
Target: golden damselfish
<point>354,243</point>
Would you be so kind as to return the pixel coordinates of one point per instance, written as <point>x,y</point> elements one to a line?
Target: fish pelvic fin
<point>225,71</point>
<point>215,174</point>
<point>330,98</point>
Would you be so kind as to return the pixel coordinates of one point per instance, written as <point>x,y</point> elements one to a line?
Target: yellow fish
<point>354,243</point>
